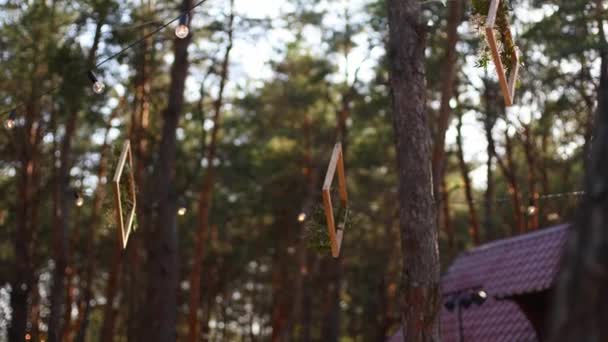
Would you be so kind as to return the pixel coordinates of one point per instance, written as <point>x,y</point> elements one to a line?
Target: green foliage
<point>315,227</point>
<point>504,39</point>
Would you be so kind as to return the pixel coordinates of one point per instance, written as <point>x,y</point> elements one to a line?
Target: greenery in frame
<point>506,46</point>
<point>315,228</point>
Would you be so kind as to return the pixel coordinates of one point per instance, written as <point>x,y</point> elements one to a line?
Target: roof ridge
<point>518,238</point>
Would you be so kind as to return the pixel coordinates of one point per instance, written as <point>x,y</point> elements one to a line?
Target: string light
<point>78,199</point>
<point>531,208</point>
<point>182,208</point>
<point>98,86</point>
<point>302,217</point>
<point>182,30</point>
<point>10,122</point>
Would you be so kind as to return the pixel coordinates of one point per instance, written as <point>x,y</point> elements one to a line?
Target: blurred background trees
<point>265,97</point>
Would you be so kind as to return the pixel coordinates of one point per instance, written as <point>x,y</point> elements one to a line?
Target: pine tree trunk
<point>492,112</point>
<point>110,311</point>
<point>448,228</point>
<point>420,269</point>
<point>60,234</point>
<point>302,273</point>
<point>468,188</point>
<point>206,194</point>
<point>159,318</point>
<point>579,312</point>
<point>84,310</point>
<point>62,214</point>
<point>23,281</point>
<point>448,73</point>
<point>509,171</point>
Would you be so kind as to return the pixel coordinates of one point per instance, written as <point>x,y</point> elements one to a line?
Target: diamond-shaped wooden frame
<point>507,85</point>
<point>125,231</point>
<point>336,161</point>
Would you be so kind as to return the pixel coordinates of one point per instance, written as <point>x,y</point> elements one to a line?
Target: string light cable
<point>181,32</point>
<point>540,197</point>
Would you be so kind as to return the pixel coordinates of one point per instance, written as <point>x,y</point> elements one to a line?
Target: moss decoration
<point>480,10</point>
<point>315,228</point>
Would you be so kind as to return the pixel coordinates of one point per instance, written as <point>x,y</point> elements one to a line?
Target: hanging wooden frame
<point>125,229</point>
<point>507,84</point>
<point>335,235</point>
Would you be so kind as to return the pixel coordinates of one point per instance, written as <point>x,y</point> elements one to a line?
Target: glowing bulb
<point>98,86</point>
<point>182,211</point>
<point>302,217</point>
<point>10,122</point>
<point>78,199</point>
<point>531,210</point>
<point>182,30</point>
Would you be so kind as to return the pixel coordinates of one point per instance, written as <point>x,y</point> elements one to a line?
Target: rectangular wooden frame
<point>507,85</point>
<point>336,162</point>
<point>125,156</point>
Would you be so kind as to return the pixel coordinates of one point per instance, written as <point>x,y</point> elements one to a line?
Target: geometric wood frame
<point>125,231</point>
<point>507,85</point>
<point>336,161</point>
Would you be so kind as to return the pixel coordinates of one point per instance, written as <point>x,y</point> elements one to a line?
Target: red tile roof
<point>523,264</point>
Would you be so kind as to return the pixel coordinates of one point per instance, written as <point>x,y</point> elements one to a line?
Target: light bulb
<point>302,217</point>
<point>182,211</point>
<point>182,30</point>
<point>10,121</point>
<point>531,210</point>
<point>78,199</point>
<point>98,86</point>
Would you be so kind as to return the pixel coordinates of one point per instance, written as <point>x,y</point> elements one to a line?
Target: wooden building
<point>514,276</point>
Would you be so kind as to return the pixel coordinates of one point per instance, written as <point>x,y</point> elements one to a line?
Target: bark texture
<point>206,194</point>
<point>158,319</point>
<point>448,73</point>
<point>420,274</point>
<point>580,312</point>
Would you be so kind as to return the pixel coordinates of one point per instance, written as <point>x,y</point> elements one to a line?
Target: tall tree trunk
<point>64,206</point>
<point>131,272</point>
<point>489,121</point>
<point>448,73</point>
<point>110,309</point>
<point>511,174</point>
<point>84,310</point>
<point>448,228</point>
<point>206,194</point>
<point>420,274</point>
<point>23,281</point>
<point>28,151</point>
<point>158,322</point>
<point>35,314</point>
<point>509,171</point>
<point>533,217</point>
<point>302,273</point>
<point>580,312</point>
<point>333,267</point>
<point>468,188</point>
<point>67,334</point>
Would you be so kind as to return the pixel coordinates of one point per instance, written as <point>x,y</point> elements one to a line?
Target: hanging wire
<point>113,56</point>
<point>541,197</point>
